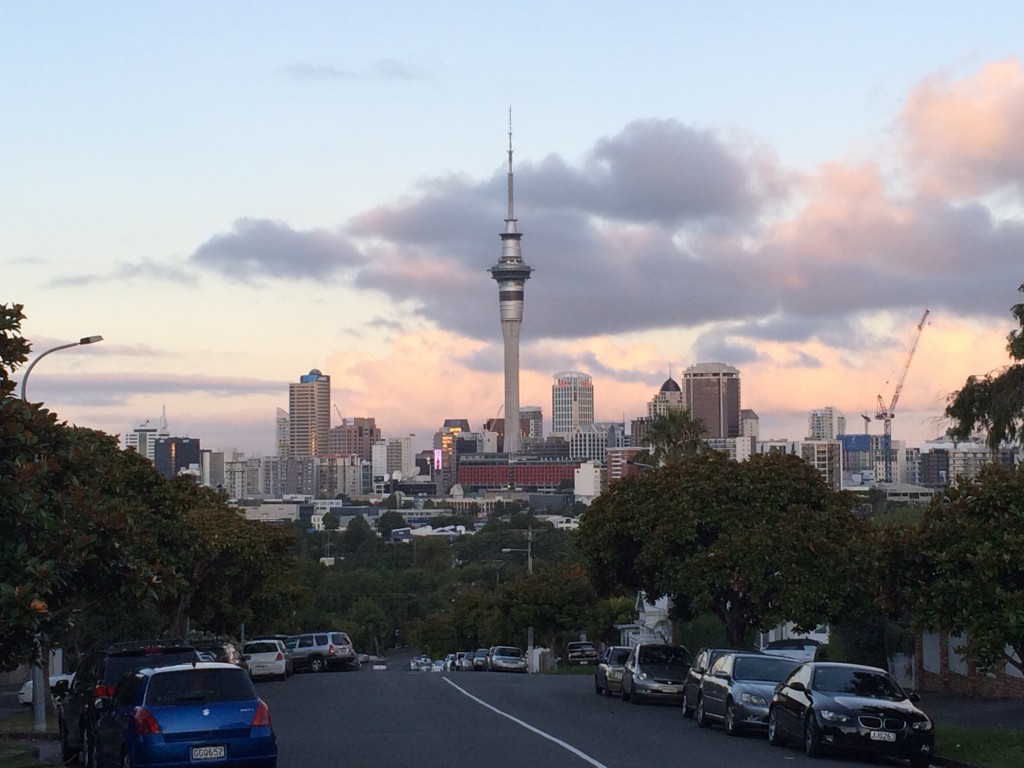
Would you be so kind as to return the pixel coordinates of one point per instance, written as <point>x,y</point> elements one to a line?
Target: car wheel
<point>87,756</point>
<point>68,754</point>
<point>812,737</point>
<point>126,762</point>
<point>774,735</point>
<point>920,762</point>
<point>732,727</point>
<point>687,709</point>
<point>702,716</point>
<point>623,693</point>
<point>597,687</point>
<point>316,664</point>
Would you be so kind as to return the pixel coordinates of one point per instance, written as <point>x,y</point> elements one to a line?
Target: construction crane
<point>337,410</point>
<point>886,415</point>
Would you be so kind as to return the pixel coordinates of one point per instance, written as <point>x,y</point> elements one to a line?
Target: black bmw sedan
<point>850,707</point>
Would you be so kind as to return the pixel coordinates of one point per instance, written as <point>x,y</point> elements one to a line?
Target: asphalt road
<point>482,719</point>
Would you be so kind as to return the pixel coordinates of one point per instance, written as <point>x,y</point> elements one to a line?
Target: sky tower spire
<point>511,274</point>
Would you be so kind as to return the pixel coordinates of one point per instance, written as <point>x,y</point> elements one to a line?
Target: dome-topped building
<point>669,396</point>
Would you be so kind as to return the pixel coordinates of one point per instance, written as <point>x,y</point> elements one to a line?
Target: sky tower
<point>511,273</point>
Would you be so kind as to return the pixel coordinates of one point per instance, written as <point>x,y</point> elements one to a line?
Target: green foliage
<point>705,630</point>
<point>756,543</point>
<point>673,435</point>
<point>993,402</point>
<point>963,570</point>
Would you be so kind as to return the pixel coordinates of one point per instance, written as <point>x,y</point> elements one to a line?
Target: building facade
<point>354,437</point>
<point>825,424</point>
<point>309,414</point>
<point>712,394</point>
<point>572,402</point>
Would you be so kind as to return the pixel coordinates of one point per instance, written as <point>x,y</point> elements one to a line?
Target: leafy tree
<point>330,521</point>
<point>963,571</point>
<point>756,543</point>
<point>673,435</point>
<point>388,522</point>
<point>994,402</point>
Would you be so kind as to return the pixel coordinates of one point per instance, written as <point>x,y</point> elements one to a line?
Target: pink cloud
<point>963,136</point>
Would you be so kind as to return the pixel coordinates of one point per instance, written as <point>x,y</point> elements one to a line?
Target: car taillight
<point>330,650</point>
<point>279,657</point>
<point>102,691</point>
<point>262,716</point>
<point>145,722</point>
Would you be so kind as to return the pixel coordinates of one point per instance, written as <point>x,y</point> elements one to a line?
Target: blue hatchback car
<point>185,715</point>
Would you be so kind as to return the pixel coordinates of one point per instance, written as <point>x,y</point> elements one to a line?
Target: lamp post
<point>528,551</point>
<point>39,687</point>
<point>80,342</point>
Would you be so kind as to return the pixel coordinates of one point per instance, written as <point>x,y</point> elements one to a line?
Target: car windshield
<point>190,686</point>
<point>771,670</point>
<point>513,652</point>
<point>857,682</point>
<point>618,656</point>
<point>119,665</point>
<point>668,655</point>
<point>263,646</point>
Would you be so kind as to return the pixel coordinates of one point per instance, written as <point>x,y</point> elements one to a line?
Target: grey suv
<point>319,651</point>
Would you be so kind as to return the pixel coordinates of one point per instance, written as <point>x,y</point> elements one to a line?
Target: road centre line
<point>527,726</point>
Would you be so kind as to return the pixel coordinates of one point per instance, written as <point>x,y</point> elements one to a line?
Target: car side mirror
<point>914,697</point>
<point>101,705</point>
<point>721,674</point>
<point>798,686</point>
<point>61,688</point>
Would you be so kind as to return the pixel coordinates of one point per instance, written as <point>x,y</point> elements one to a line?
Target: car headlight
<point>832,716</point>
<point>753,698</point>
<point>641,675</point>
<point>922,725</point>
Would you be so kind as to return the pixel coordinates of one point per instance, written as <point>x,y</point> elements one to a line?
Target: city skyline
<point>780,189</point>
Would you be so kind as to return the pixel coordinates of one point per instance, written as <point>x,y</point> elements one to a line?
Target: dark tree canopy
<point>994,402</point>
<point>757,543</point>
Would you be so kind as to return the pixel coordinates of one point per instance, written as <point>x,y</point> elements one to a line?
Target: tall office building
<point>354,436</point>
<point>174,454</point>
<point>712,394</point>
<point>309,414</point>
<point>572,402</point>
<point>511,274</point>
<point>143,437</point>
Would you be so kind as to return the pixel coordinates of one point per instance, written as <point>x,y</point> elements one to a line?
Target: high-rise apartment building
<point>533,415</point>
<point>511,274</point>
<point>281,433</point>
<point>825,424</point>
<point>173,454</point>
<point>572,402</point>
<point>712,394</point>
<point>309,415</point>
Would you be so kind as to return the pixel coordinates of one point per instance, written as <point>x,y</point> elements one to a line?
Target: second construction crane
<point>886,415</point>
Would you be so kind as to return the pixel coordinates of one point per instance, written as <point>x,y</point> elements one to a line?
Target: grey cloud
<point>100,389</point>
<point>257,248</point>
<point>146,269</point>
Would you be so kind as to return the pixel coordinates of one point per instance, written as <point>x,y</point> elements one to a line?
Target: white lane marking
<point>527,726</point>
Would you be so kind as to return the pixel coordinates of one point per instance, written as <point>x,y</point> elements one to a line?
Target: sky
<point>233,194</point>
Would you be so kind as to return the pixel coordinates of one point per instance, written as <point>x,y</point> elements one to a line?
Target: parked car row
<point>131,704</point>
<point>820,705</point>
<point>497,658</point>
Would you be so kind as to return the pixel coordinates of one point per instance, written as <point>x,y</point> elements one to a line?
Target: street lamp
<point>528,551</point>
<point>39,691</point>
<point>80,342</point>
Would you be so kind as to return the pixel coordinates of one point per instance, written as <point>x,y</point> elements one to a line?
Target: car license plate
<point>208,753</point>
<point>883,736</point>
